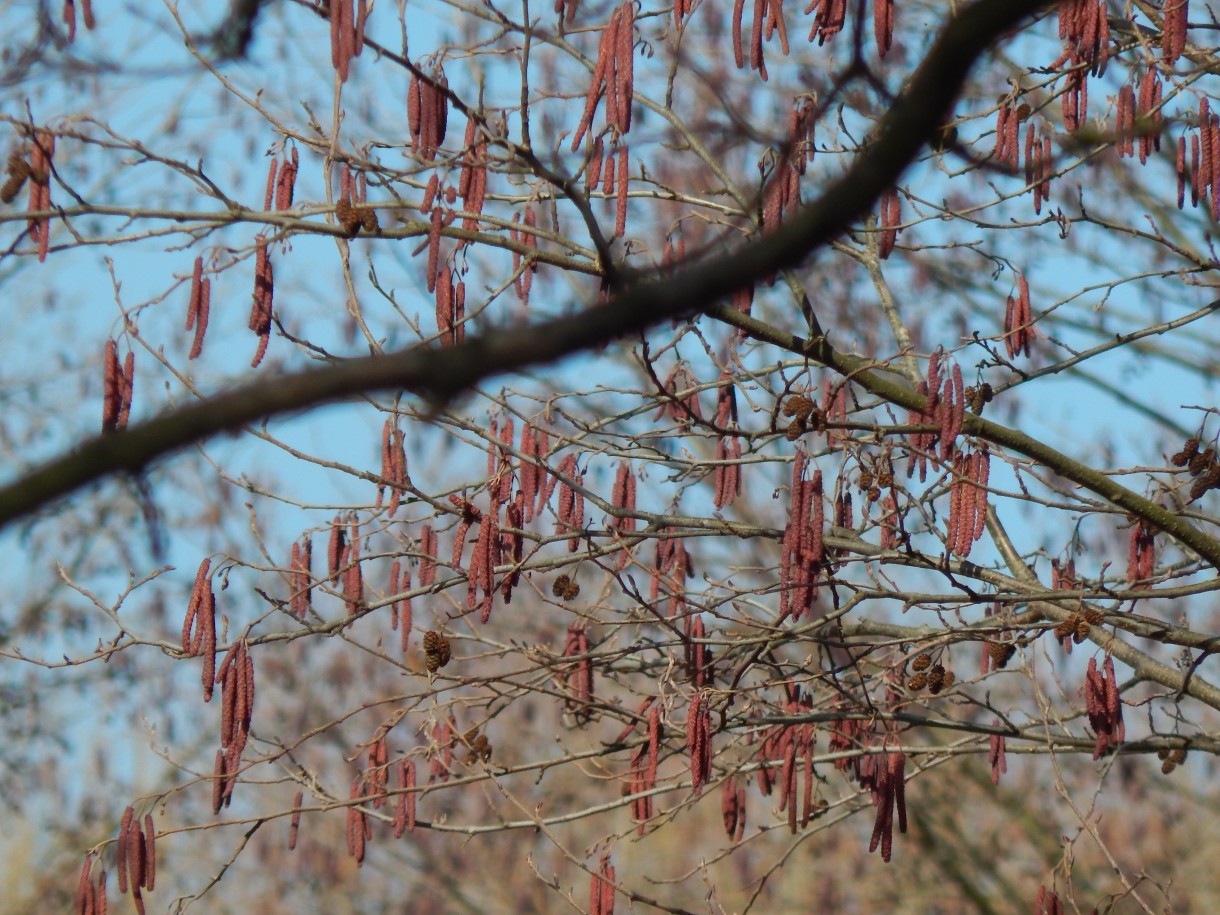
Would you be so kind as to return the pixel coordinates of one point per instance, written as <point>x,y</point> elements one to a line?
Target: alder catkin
<point>295,825</point>
<point>121,850</point>
<point>136,856</point>
<point>150,852</point>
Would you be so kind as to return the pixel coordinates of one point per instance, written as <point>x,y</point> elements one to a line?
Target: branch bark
<point>912,121</point>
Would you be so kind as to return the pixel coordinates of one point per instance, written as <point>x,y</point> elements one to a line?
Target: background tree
<point>764,433</point>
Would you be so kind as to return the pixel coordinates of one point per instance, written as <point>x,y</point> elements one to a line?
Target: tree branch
<point>911,122</point>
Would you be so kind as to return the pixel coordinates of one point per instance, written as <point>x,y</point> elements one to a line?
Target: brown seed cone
<point>1200,461</point>
<point>346,216</point>
<point>798,406</point>
<point>436,651</point>
<point>1001,652</point>
<point>1189,450</point>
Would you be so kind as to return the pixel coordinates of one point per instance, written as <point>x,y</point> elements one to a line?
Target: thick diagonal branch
<point>440,375</point>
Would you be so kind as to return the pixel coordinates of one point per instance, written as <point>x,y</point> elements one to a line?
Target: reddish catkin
<point>530,240</point>
<point>269,193</point>
<point>595,894</point>
<point>111,386</point>
<point>620,207</point>
<point>335,548</point>
<point>444,306</point>
<point>353,577</point>
<point>472,185</point>
<point>150,853</point>
<point>199,626</point>
<point>730,805</point>
<point>294,826</point>
<point>356,825</point>
<point>529,473</point>
<point>828,19</point>
<point>84,888</point>
<point>1113,703</point>
<point>1141,554</point>
<point>891,217</point>
<point>481,575</point>
<point>571,515</point>
<point>207,617</point>
<point>285,185</point>
<point>613,75</point>
<point>956,492</point>
<point>40,190</point>
<point>997,757</point>
<point>803,544</point>
<point>883,25</point>
<point>727,481</point>
<point>607,878</point>
<point>428,113</point>
<point>135,856</point>
<point>126,384</point>
<point>981,475</point>
<point>69,17</point>
<point>1104,706</point>
<point>1018,320</point>
<point>512,546</point>
<point>1149,113</point>
<point>1180,164</point>
<point>1047,902</point>
<point>889,794</point>
<point>1173,31</point>
<point>199,309</point>
<point>947,415</point>
<point>459,312</point>
<point>698,741</point>
<point>623,497</point>
<point>346,34</point>
<point>123,842</point>
<point>787,785</point>
<point>427,560</point>
<point>1124,122</point>
<point>434,247</point>
<point>1207,143</point>
<point>470,515</point>
<point>192,629</point>
<point>264,293</point>
<point>424,128</point>
<point>654,745</point>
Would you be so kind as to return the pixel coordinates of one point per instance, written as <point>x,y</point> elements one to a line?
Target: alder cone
<point>347,216</point>
<point>564,588</point>
<point>436,651</point>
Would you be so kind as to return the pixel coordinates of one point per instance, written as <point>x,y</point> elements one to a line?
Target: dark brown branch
<point>440,375</point>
